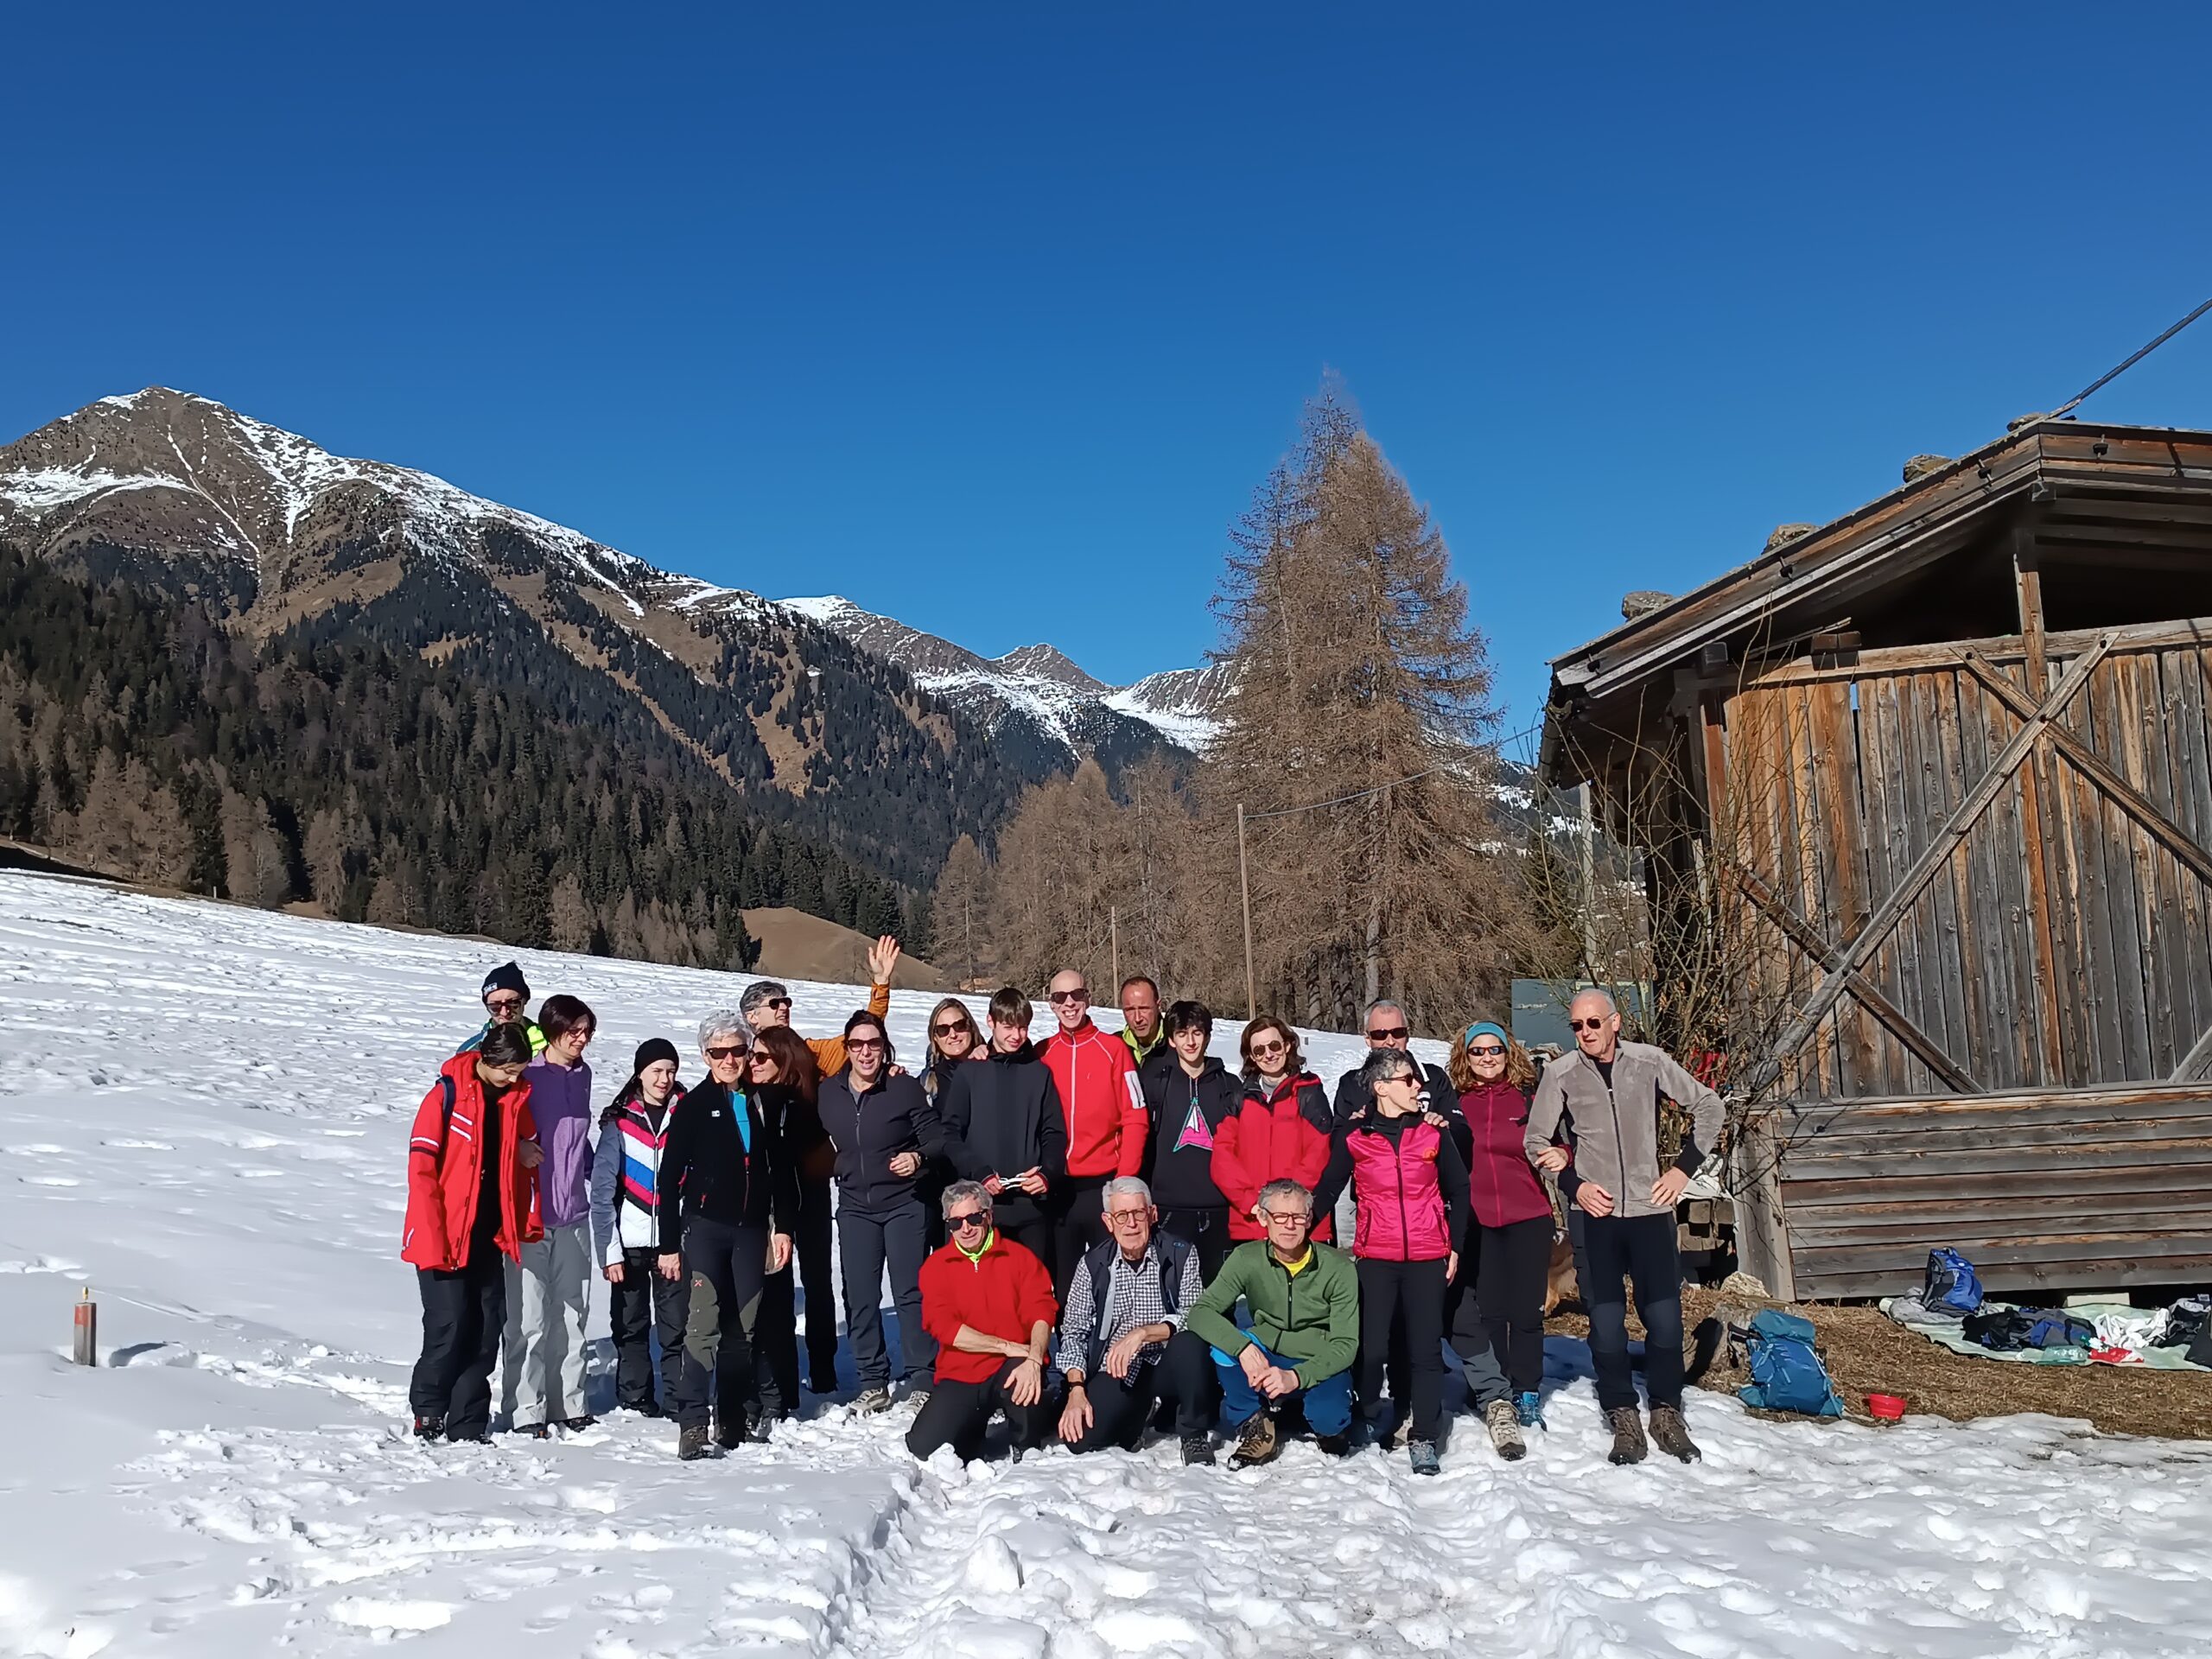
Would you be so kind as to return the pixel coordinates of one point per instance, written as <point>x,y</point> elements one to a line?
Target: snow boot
<point>691,1442</point>
<point>1256,1443</point>
<point>1529,1408</point>
<point>1629,1443</point>
<point>1505,1430</point>
<point>1425,1459</point>
<point>868,1402</point>
<point>759,1425</point>
<point>729,1434</point>
<point>1672,1434</point>
<point>1197,1450</point>
<point>1334,1445</point>
<point>577,1425</point>
<point>429,1426</point>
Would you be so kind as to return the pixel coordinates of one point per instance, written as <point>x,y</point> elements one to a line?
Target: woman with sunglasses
<point>885,1131</point>
<point>781,1077</point>
<point>1512,1241</point>
<point>1281,1131</point>
<point>955,1040</point>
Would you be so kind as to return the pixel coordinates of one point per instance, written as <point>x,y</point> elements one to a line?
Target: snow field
<point>205,1109</point>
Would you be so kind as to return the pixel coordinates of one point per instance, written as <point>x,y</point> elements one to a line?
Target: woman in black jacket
<point>1004,1126</point>
<point>786,1084</point>
<point>885,1133</point>
<point>954,1042</point>
<point>728,1207</point>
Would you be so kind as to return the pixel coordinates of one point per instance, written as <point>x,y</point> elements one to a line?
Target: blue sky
<point>992,317</point>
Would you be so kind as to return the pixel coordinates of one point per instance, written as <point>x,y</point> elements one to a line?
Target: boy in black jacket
<point>1189,1094</point>
<point>1005,1127</point>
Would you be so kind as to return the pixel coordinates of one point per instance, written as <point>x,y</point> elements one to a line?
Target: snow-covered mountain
<point>1034,695</point>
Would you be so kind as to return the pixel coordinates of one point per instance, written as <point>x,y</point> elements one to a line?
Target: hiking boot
<point>1426,1462</point>
<point>1334,1445</point>
<point>532,1430</point>
<point>1505,1430</point>
<point>1256,1443</point>
<point>868,1402</point>
<point>1198,1449</point>
<point>1672,1434</point>
<point>1629,1445</point>
<point>920,1394</point>
<point>759,1425</point>
<point>577,1425</point>
<point>428,1426</point>
<point>1529,1409</point>
<point>729,1434</point>
<point>691,1442</point>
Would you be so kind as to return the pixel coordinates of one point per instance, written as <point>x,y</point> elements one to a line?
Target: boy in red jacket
<point>989,1303</point>
<point>1108,1122</point>
<point>472,1199</point>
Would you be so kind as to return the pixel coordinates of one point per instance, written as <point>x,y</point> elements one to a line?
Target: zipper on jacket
<point>1620,1146</point>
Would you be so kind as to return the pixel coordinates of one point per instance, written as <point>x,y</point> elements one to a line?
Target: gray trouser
<point>548,1297</point>
<point>868,1242</point>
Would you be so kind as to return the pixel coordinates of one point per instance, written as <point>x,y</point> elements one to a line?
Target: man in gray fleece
<point>1609,1092</point>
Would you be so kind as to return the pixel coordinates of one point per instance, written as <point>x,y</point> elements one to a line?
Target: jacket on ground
<point>1310,1317</point>
<point>626,1173</point>
<point>1002,1117</point>
<point>1104,1104</point>
<point>1502,1186</point>
<point>445,1171</point>
<point>1004,1293</point>
<point>1616,1129</point>
<point>1409,1184</point>
<point>722,1161</point>
<point>1284,1135</point>
<point>1187,1113</point>
<point>869,1128</point>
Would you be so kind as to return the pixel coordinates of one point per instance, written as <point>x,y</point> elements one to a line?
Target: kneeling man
<point>1303,1300</point>
<point>989,1303</point>
<point>1123,1348</point>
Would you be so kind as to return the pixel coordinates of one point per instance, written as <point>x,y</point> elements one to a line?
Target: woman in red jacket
<point>1280,1131</point>
<point>1411,1189</point>
<point>1514,1229</point>
<point>472,1199</point>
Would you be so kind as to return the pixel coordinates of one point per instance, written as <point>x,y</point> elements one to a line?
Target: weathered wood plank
<point>2012,1252</point>
<point>2106,710</point>
<point>1929,1225</point>
<point>2013,1281</point>
<point>1836,753</point>
<point>1884,967</point>
<point>2182,674</point>
<point>2127,1184</point>
<point>2070,1212</point>
<point>2003,648</point>
<point>1762,1228</point>
<point>2061,1159</point>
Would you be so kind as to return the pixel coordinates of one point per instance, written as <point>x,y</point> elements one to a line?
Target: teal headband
<point>1483,1027</point>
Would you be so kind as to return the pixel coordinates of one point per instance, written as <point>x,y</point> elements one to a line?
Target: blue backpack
<point>1786,1374</point>
<point>1953,1286</point>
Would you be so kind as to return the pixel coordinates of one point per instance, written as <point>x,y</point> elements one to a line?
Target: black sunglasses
<point>1485,1049</point>
<point>972,1218</point>
<point>1387,1034</point>
<point>1597,1023</point>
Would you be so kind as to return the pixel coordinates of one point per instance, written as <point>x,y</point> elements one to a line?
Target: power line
<point>2109,375</point>
<point>1357,795</point>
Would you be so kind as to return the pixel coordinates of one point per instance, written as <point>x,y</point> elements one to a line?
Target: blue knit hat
<point>1484,1027</point>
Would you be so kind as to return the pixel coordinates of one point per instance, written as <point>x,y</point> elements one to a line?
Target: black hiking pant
<point>1079,1221</point>
<point>1640,1249</point>
<point>463,1314</point>
<point>641,1306</point>
<point>1120,1407</point>
<point>1206,1231</point>
<point>1512,1267</point>
<point>777,1344</point>
<point>896,1237</point>
<point>728,1267</point>
<point>956,1413</point>
<point>1405,1297</point>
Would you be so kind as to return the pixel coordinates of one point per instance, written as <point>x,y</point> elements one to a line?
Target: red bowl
<point>1885,1407</point>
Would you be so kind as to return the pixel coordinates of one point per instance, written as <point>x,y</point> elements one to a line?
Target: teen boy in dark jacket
<point>1005,1128</point>
<point>1189,1095</point>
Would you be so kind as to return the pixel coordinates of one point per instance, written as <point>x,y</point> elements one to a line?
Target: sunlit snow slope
<point>205,1114</point>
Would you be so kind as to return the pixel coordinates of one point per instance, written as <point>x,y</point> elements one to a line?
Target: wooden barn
<point>1939,773</point>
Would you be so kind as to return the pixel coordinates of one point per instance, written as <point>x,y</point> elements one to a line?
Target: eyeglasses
<point>1284,1219</point>
<point>1271,1046</point>
<point>724,1053</point>
<point>1060,999</point>
<point>961,1224</point>
<point>1123,1217</point>
<point>948,1028</point>
<point>504,1004</point>
<point>1488,1051</point>
<point>1597,1023</point>
<point>782,1003</point>
<point>1387,1034</point>
<point>864,1045</point>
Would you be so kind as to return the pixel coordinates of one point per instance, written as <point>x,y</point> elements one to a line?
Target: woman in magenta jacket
<point>1512,1243</point>
<point>1411,1189</point>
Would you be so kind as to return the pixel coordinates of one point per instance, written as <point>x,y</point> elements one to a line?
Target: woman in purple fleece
<point>549,1289</point>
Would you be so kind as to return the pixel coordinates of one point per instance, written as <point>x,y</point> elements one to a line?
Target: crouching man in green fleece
<point>1303,1299</point>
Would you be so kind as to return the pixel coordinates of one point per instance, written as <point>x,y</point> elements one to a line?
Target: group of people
<point>1086,1233</point>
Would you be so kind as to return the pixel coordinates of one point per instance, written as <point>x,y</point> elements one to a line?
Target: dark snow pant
<point>1409,1294</point>
<point>1470,1342</point>
<point>1640,1249</point>
<point>1120,1407</point>
<point>1513,1266</point>
<point>643,1304</point>
<point>1034,1236</point>
<point>1079,1223</point>
<point>811,1245</point>
<point>868,1242</point>
<point>727,1266</point>
<point>1205,1230</point>
<point>463,1314</point>
<point>956,1413</point>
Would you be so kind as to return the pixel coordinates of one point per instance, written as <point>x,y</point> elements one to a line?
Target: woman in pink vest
<point>1411,1186</point>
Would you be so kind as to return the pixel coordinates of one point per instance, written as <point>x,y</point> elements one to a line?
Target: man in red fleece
<point>989,1303</point>
<point>1108,1124</point>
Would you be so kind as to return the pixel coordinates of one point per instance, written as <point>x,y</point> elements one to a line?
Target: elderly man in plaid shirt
<point>1122,1345</point>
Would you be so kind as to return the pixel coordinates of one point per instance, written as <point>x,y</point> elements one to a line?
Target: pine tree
<point>957,907</point>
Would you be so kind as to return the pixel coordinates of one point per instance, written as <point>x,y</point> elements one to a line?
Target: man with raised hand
<point>1142,1034</point>
<point>1609,1091</point>
<point>989,1303</point>
<point>1121,1345</point>
<point>1302,1300</point>
<point>1106,1120</point>
<point>768,1002</point>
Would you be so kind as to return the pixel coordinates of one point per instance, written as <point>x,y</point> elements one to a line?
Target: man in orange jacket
<point>1108,1122</point>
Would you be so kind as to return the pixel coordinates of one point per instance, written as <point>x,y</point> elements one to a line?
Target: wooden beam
<point>2193,1063</point>
<point>2004,648</point>
<point>1925,868</point>
<point>2035,791</point>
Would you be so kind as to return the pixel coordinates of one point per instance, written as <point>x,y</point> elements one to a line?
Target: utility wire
<point>1362,794</point>
<point>2110,375</point>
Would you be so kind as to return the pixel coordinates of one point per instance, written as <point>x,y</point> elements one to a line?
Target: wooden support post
<point>2034,790</point>
<point>1245,886</point>
<point>1761,1230</point>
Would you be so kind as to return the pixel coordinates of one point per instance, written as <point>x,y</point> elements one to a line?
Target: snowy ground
<point>205,1112</point>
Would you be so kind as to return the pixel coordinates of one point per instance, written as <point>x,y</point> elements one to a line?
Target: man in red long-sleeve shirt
<point>1108,1122</point>
<point>989,1303</point>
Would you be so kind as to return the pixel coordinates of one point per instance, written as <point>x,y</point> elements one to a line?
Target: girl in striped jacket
<point>625,1225</point>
